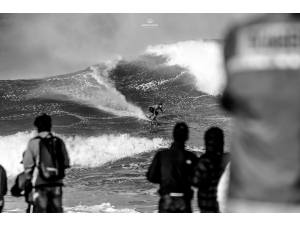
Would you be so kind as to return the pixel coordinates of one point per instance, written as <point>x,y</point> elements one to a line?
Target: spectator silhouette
<point>3,187</point>
<point>45,160</point>
<point>18,190</point>
<point>172,169</point>
<point>209,170</point>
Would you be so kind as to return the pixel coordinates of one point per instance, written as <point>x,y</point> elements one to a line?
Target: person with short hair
<point>172,169</point>
<point>3,187</point>
<point>209,169</point>
<point>47,193</point>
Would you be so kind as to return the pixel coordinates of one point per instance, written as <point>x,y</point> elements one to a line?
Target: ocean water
<point>100,112</point>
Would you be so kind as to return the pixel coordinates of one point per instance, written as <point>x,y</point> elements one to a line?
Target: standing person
<point>209,169</point>
<point>45,161</point>
<point>171,169</point>
<point>3,187</point>
<point>18,190</point>
<point>262,93</point>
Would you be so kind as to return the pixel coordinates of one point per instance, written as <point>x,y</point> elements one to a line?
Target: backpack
<point>51,159</point>
<point>19,185</point>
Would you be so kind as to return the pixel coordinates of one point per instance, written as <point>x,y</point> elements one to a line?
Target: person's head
<point>214,140</point>
<point>181,132</point>
<point>160,104</point>
<point>43,122</point>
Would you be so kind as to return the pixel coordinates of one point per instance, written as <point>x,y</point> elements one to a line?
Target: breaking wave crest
<point>201,58</point>
<point>84,151</point>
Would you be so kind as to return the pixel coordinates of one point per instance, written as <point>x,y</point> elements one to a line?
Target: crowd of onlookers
<point>175,169</point>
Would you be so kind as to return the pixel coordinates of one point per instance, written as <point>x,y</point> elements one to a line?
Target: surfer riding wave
<point>154,110</point>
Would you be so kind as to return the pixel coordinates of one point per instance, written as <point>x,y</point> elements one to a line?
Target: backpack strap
<point>39,152</point>
<point>39,137</point>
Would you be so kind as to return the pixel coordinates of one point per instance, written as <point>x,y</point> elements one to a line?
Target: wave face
<point>92,87</point>
<point>84,151</point>
<point>100,111</point>
<point>167,73</point>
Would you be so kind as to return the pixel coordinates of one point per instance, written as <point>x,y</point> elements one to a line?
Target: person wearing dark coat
<point>172,169</point>
<point>209,169</point>
<point>3,187</point>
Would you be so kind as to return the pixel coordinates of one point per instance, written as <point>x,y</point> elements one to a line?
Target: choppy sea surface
<point>100,112</point>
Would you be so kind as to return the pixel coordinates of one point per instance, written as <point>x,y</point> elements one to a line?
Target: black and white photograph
<point>149,113</point>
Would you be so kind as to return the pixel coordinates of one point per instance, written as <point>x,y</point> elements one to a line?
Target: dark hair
<point>181,132</point>
<point>43,122</point>
<point>214,137</point>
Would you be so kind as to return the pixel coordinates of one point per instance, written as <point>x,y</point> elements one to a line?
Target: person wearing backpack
<point>45,161</point>
<point>3,186</point>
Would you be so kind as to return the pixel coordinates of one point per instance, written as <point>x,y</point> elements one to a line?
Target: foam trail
<point>92,87</point>
<point>102,208</point>
<point>203,59</point>
<point>116,103</point>
<point>83,151</point>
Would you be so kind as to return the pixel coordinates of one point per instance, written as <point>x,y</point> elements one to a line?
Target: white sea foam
<point>102,208</point>
<point>92,87</point>
<point>83,151</point>
<point>203,59</point>
<point>155,85</point>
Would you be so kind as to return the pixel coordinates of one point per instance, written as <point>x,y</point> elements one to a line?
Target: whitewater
<point>100,111</point>
<point>83,151</point>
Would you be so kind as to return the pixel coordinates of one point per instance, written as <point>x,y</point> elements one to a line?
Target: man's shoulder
<point>191,155</point>
<point>34,140</point>
<point>163,151</point>
<point>58,139</point>
<point>1,168</point>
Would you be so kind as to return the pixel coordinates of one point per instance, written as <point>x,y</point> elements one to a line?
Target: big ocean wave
<point>183,76</point>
